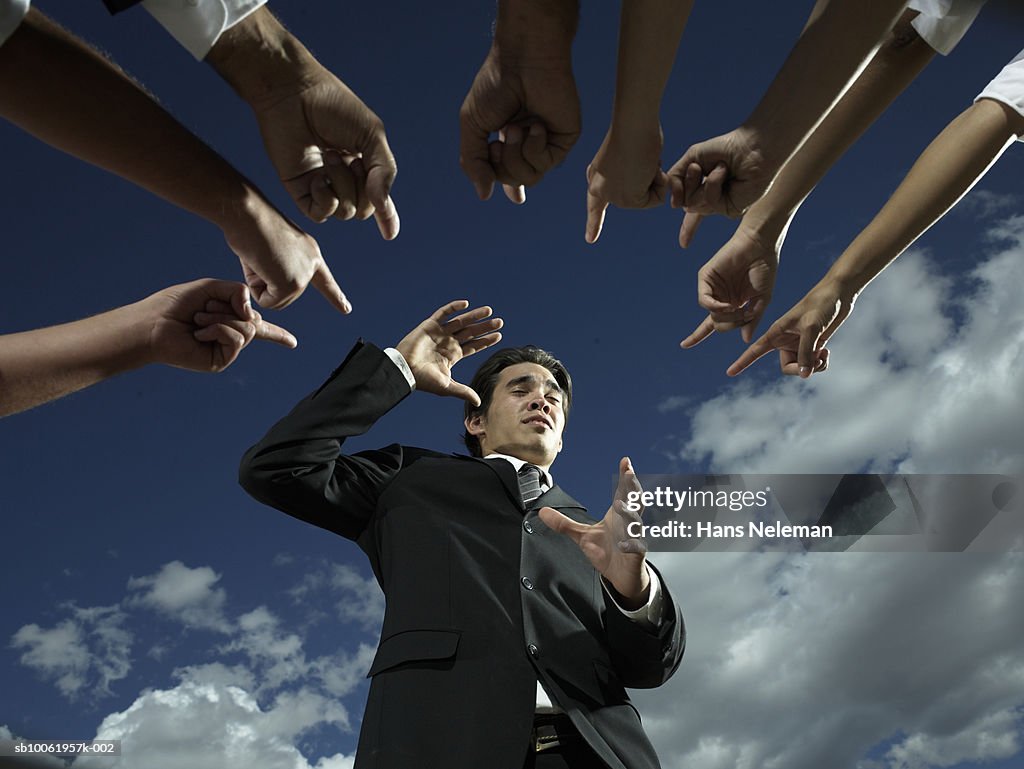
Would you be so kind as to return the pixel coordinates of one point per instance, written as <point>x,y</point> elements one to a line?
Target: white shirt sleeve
<point>11,14</point>
<point>1008,86</point>
<point>941,23</point>
<point>399,360</point>
<point>197,24</point>
<point>649,614</point>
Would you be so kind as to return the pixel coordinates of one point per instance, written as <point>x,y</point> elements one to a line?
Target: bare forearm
<point>828,56</point>
<point>260,59</point>
<point>60,90</point>
<point>538,31</point>
<point>649,34</point>
<point>945,172</point>
<point>46,364</point>
<point>900,59</point>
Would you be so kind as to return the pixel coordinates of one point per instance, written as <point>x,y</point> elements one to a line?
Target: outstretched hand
<point>625,175</point>
<point>800,335</point>
<point>536,112</point>
<point>331,152</point>
<point>205,324</point>
<point>434,347</point>
<point>619,557</point>
<point>724,175</point>
<point>278,259</point>
<point>735,286</point>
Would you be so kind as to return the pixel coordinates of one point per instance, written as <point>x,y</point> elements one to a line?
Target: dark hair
<point>486,377</point>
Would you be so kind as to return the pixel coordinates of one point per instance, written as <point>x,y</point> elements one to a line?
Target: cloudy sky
<point>146,598</point>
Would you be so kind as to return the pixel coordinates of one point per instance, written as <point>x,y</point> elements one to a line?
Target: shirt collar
<point>546,481</point>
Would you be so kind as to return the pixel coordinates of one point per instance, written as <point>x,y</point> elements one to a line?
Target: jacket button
<point>534,651</point>
<point>527,583</point>
<point>528,526</point>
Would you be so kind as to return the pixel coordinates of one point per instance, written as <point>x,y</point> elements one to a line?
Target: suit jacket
<point>482,598</point>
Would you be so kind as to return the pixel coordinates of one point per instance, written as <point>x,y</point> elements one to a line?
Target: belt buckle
<point>545,738</point>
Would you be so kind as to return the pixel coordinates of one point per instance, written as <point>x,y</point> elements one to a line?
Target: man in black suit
<point>513,622</point>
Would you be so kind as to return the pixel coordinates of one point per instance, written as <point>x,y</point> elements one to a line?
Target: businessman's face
<point>525,417</point>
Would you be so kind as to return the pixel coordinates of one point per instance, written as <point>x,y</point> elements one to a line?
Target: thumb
<point>562,524</point>
<point>460,390</point>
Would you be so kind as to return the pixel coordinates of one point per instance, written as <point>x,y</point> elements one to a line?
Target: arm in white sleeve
<point>197,24</point>
<point>650,613</point>
<point>1008,86</point>
<point>11,14</point>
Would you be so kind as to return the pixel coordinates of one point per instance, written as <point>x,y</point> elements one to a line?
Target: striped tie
<point>529,484</point>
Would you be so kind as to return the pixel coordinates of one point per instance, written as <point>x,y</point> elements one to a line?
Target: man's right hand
<point>436,345</point>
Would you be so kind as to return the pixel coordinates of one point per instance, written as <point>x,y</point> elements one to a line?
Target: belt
<point>552,731</point>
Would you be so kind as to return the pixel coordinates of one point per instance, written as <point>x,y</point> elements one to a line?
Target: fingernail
<point>805,371</point>
<point>346,306</point>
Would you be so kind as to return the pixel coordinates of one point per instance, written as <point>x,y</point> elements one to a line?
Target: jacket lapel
<point>553,497</point>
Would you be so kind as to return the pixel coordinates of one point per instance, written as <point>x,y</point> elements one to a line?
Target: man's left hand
<point>619,557</point>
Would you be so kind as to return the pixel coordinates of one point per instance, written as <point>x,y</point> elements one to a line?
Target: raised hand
<point>619,557</point>
<point>205,324</point>
<point>800,335</point>
<point>735,286</point>
<point>434,347</point>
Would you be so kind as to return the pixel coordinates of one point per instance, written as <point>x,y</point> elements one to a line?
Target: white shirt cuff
<point>11,14</point>
<point>197,24</point>
<point>399,360</point>
<point>649,615</point>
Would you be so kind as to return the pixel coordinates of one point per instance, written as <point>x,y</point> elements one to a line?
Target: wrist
<point>535,32</point>
<point>767,226</point>
<point>842,284</point>
<point>631,591</point>
<point>134,325</point>
<point>262,61</point>
<point>241,209</point>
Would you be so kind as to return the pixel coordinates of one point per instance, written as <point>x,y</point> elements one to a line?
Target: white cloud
<point>984,204</point>
<point>358,599</point>
<point>86,652</point>
<point>279,657</point>
<point>362,600</point>
<point>805,661</point>
<point>35,762</point>
<point>276,653</point>
<point>182,593</point>
<point>991,737</point>
<point>924,378</point>
<point>206,725</point>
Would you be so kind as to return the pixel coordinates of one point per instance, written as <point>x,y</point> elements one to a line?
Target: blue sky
<point>141,587</point>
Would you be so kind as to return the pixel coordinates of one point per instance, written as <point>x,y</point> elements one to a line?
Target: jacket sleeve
<point>298,467</point>
<point>642,658</point>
